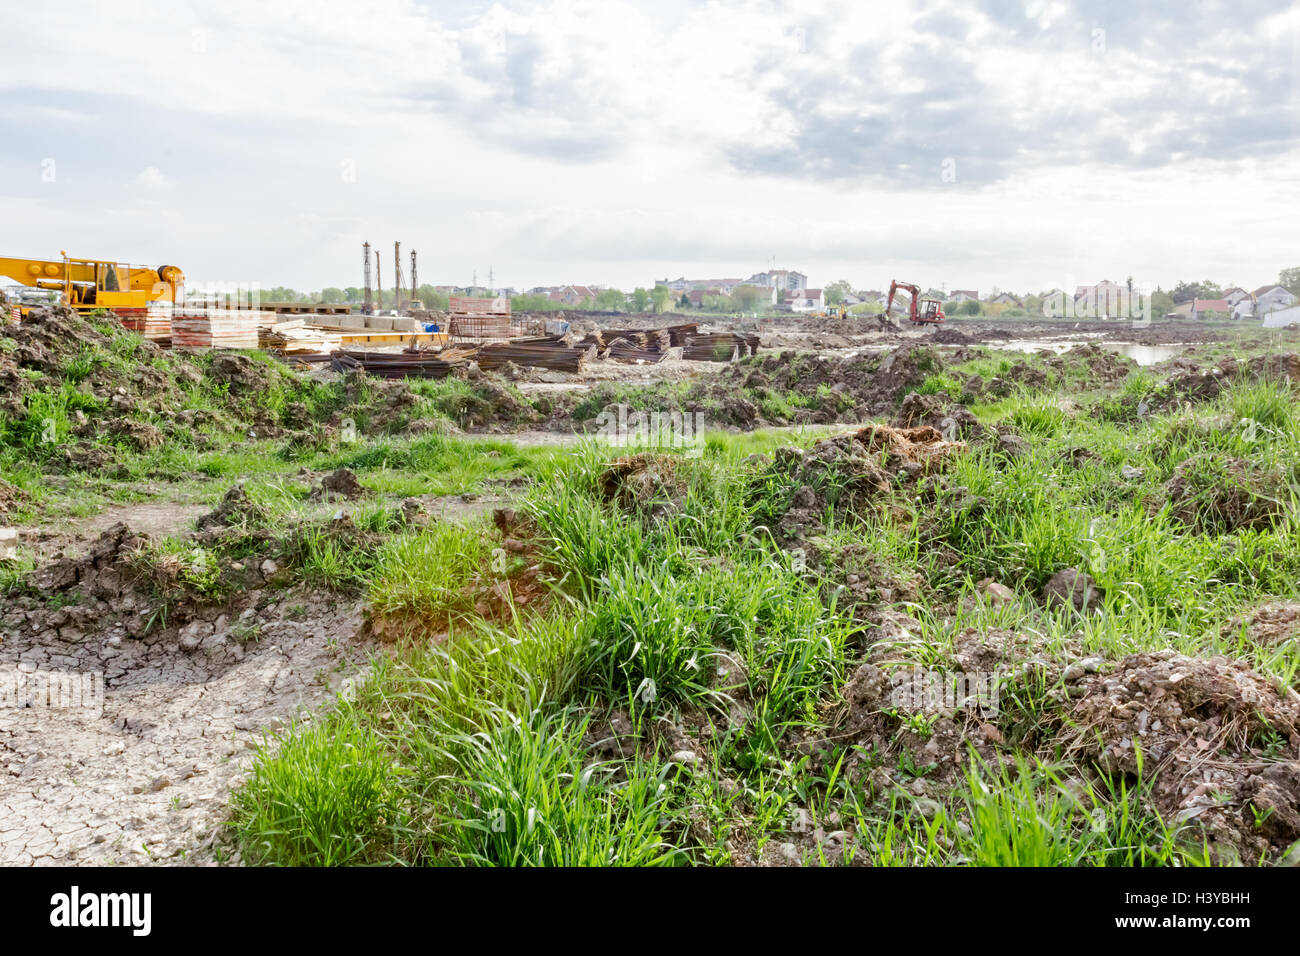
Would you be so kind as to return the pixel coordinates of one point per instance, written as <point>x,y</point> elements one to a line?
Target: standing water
<point>1142,354</point>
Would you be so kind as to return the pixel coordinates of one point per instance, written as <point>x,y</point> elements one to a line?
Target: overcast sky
<point>1022,145</point>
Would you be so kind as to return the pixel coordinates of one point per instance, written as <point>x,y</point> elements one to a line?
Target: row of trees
<point>430,297</point>
<point>1288,279</point>
<point>745,298</point>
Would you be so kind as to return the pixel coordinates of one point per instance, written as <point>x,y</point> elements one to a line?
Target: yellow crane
<point>97,283</point>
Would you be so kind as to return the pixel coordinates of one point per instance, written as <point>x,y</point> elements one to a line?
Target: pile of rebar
<point>400,364</point>
<point>679,334</point>
<point>719,347</point>
<point>552,356</point>
<point>650,340</point>
<point>626,351</point>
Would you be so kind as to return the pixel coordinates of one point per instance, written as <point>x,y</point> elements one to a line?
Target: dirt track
<point>147,780</point>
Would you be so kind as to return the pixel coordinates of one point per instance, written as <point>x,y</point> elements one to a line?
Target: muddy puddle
<point>1142,354</point>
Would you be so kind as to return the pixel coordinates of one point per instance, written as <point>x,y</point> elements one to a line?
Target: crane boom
<point>97,283</point>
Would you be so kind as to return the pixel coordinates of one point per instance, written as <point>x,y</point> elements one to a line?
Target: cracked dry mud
<point>148,779</point>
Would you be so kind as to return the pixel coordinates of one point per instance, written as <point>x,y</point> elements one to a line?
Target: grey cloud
<point>836,140</point>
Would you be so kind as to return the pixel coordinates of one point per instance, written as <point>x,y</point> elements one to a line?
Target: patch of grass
<point>526,795</point>
<point>430,574</point>
<point>327,796</point>
<point>1037,415</point>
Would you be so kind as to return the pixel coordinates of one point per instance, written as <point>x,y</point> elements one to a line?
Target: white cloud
<point>152,177</point>
<point>614,141</point>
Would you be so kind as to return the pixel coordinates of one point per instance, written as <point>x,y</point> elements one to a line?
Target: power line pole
<point>397,277</point>
<point>414,282</point>
<point>379,282</point>
<point>368,308</point>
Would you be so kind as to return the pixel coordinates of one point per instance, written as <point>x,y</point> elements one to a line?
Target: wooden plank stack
<point>154,324</point>
<point>295,341</point>
<point>217,328</point>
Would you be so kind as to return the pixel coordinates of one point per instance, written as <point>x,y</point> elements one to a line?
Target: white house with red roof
<point>804,300</point>
<point>1201,308</point>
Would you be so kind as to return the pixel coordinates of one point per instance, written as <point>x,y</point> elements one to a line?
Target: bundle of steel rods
<point>555,357</point>
<point>397,364</point>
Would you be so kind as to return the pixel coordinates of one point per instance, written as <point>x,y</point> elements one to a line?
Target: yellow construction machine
<point>97,283</point>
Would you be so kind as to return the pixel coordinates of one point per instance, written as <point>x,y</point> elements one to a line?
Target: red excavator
<point>920,311</point>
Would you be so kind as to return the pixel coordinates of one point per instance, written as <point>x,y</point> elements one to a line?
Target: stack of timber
<point>155,324</point>
<point>293,337</point>
<point>217,328</point>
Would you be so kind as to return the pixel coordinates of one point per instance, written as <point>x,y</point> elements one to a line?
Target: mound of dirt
<point>342,483</point>
<point>1267,626</point>
<point>863,384</point>
<point>1102,365</point>
<point>1189,382</point>
<point>234,508</point>
<point>240,372</point>
<point>11,496</point>
<point>1073,589</point>
<point>880,696</point>
<point>490,404</point>
<point>642,482</point>
<point>947,336</point>
<point>1216,494</point>
<point>130,397</point>
<point>1207,733</point>
<point>849,473</point>
<point>106,556</point>
<point>955,422</point>
<point>914,451</point>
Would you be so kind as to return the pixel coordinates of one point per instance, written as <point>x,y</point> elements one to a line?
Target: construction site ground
<point>337,616</point>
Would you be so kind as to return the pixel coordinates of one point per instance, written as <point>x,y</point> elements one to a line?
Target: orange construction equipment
<point>920,311</point>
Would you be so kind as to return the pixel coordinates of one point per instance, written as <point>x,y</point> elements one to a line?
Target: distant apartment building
<point>785,279</point>
<point>683,284</point>
<point>1106,298</point>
